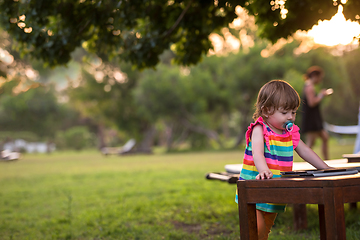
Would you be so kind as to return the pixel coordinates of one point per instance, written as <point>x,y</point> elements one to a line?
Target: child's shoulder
<point>258,123</point>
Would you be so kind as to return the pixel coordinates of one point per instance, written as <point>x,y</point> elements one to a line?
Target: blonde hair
<point>274,95</point>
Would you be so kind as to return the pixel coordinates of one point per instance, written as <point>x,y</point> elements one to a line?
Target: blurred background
<point>70,90</point>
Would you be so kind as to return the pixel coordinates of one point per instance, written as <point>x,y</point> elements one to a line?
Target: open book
<point>320,173</point>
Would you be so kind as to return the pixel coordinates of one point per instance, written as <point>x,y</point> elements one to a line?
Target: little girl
<point>270,142</point>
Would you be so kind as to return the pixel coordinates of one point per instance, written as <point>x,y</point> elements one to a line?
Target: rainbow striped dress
<point>278,151</point>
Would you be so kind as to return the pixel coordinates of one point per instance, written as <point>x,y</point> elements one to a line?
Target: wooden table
<point>330,193</point>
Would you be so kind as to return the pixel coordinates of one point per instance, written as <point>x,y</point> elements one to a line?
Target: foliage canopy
<point>139,31</point>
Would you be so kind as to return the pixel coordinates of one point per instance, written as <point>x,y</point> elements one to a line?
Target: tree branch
<point>168,32</point>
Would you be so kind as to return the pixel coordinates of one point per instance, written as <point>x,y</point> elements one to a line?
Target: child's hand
<point>266,174</point>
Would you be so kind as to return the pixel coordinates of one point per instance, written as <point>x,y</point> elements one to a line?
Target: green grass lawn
<point>84,195</point>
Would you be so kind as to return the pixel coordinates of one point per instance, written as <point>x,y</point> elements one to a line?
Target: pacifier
<point>289,126</point>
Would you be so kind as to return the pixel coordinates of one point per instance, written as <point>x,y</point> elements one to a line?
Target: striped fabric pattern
<point>278,151</point>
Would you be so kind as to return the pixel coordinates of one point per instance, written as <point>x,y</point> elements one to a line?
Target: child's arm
<point>310,156</point>
<point>257,141</point>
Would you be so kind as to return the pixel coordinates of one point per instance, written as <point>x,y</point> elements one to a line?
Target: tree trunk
<point>199,129</point>
<point>225,126</point>
<point>184,134</point>
<point>169,135</point>
<point>101,136</point>
<point>244,123</point>
<point>146,144</point>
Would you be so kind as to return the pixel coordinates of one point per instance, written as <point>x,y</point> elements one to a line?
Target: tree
<point>35,110</point>
<point>346,110</point>
<point>139,31</point>
<point>185,100</point>
<point>12,67</point>
<point>103,94</point>
<point>277,19</point>
<point>192,102</point>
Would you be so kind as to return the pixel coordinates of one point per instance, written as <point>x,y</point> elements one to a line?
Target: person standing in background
<point>312,122</point>
<point>357,142</point>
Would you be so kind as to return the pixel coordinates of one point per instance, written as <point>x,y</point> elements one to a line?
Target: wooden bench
<point>352,157</point>
<point>129,145</point>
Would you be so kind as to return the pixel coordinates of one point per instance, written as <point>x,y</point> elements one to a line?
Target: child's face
<point>279,117</point>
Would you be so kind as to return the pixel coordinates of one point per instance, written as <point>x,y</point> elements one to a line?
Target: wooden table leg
<point>322,222</point>
<point>247,216</point>
<point>299,216</point>
<point>333,214</point>
<point>248,224</point>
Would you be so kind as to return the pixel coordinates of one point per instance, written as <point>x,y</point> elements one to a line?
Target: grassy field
<point>84,195</point>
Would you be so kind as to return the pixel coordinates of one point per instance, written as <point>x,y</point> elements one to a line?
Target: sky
<point>336,31</point>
